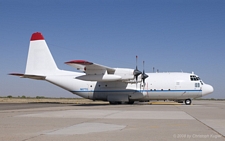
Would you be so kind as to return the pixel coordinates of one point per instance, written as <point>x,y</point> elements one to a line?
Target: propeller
<point>144,75</point>
<point>136,71</point>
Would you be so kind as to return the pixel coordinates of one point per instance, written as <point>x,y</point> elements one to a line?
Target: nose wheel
<point>187,101</point>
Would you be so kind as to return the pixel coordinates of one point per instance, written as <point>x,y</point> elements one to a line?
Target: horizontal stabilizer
<point>37,77</point>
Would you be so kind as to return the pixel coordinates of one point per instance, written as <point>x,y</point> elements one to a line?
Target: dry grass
<point>51,100</point>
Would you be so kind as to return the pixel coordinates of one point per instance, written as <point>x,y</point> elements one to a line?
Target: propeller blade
<point>144,75</point>
<point>136,71</point>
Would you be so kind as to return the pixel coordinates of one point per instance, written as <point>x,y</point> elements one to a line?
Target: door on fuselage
<point>178,85</point>
<point>90,90</point>
<point>100,90</point>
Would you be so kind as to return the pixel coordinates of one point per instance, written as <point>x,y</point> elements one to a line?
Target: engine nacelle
<point>126,74</point>
<point>120,74</point>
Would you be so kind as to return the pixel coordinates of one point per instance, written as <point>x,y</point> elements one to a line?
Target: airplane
<point>116,85</point>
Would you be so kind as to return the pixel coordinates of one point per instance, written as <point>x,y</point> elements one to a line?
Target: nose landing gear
<point>187,101</point>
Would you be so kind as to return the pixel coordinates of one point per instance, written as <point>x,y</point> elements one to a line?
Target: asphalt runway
<point>204,120</point>
<point>16,106</point>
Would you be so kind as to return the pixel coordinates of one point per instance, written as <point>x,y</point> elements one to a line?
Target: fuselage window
<point>197,84</point>
<point>201,82</point>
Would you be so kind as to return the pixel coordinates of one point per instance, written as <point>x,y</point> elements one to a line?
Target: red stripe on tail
<point>36,36</point>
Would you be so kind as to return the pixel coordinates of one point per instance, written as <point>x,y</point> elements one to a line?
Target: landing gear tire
<point>112,102</point>
<point>187,101</point>
<point>130,102</point>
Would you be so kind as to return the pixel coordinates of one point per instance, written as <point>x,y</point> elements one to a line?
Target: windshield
<point>194,78</point>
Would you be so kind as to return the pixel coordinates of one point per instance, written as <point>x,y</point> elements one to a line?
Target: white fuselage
<point>158,86</point>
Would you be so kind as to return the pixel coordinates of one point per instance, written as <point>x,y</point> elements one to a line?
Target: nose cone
<point>206,89</point>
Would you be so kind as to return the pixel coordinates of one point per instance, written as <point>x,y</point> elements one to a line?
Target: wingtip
<point>16,74</point>
<point>36,36</point>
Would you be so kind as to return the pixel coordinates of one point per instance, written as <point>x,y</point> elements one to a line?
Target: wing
<point>96,72</point>
<point>89,67</point>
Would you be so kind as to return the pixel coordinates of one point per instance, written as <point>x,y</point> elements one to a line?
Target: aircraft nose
<point>207,89</point>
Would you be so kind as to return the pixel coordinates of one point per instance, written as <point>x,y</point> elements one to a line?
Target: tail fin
<point>39,60</point>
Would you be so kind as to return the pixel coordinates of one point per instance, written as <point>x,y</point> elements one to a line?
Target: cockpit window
<point>194,78</point>
<point>201,82</point>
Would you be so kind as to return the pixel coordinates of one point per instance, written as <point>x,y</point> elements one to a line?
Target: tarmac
<point>156,121</point>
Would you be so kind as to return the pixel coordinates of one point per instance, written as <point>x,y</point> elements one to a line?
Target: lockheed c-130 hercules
<point>116,85</point>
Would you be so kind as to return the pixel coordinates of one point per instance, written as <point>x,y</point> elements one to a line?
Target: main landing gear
<point>114,102</point>
<point>119,102</point>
